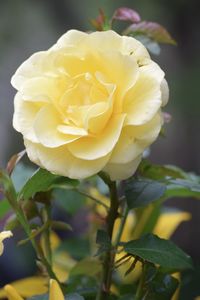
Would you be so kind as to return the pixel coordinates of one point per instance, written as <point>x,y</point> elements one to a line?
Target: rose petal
<point>46,128</point>
<point>90,148</point>
<point>24,117</point>
<point>61,161</point>
<point>144,99</point>
<point>122,171</point>
<point>134,140</point>
<point>164,92</point>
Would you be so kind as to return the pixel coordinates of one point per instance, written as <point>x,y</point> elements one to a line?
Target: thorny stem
<point>109,256</point>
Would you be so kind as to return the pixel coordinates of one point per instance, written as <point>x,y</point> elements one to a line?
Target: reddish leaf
<point>99,22</point>
<point>126,14</point>
<point>153,30</point>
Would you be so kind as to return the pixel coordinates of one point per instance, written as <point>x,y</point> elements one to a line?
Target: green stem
<point>26,226</point>
<point>140,289</point>
<point>47,232</point>
<point>121,227</point>
<point>109,256</point>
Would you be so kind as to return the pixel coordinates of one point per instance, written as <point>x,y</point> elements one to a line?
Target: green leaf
<point>159,286</point>
<point>8,188</point>
<point>84,285</point>
<point>182,188</point>
<point>163,287</point>
<point>69,200</point>
<point>20,175</point>
<point>4,207</point>
<point>42,181</point>
<point>157,172</point>
<point>153,30</point>
<point>140,192</point>
<point>159,251</point>
<point>89,266</point>
<point>77,247</point>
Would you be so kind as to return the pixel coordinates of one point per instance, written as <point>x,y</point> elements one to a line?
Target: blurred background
<point>27,26</point>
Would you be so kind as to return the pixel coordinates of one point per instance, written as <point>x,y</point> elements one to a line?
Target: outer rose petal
<point>90,148</point>
<point>24,116</point>
<point>164,92</point>
<point>61,161</point>
<point>144,99</point>
<point>134,140</point>
<point>122,171</point>
<point>30,68</point>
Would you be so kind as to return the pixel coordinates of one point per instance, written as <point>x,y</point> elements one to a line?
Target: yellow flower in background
<point>28,287</point>
<point>38,285</point>
<point>92,102</point>
<point>4,235</point>
<point>55,292</point>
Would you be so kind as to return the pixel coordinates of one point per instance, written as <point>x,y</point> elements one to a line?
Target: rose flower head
<point>91,102</point>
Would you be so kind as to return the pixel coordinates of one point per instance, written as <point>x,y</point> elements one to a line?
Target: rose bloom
<point>92,102</point>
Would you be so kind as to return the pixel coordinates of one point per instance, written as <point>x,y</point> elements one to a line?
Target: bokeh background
<point>27,26</point>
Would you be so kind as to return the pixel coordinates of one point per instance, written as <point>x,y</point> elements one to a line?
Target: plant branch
<point>109,256</point>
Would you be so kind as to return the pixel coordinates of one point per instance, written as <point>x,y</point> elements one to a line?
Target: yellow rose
<point>92,102</point>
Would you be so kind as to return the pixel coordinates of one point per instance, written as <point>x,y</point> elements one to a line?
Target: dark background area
<point>27,26</point>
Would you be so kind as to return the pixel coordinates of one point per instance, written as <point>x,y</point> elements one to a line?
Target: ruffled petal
<point>90,148</point>
<point>144,100</point>
<point>46,127</point>
<point>134,140</point>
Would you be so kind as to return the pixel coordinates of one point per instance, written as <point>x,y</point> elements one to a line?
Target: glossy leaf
<point>140,192</point>
<point>159,251</point>
<point>42,181</point>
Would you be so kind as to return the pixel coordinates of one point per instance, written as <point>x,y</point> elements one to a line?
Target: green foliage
<point>89,266</point>
<point>69,200</point>
<point>4,207</point>
<point>42,181</point>
<point>158,285</point>
<point>141,192</point>
<point>159,251</point>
